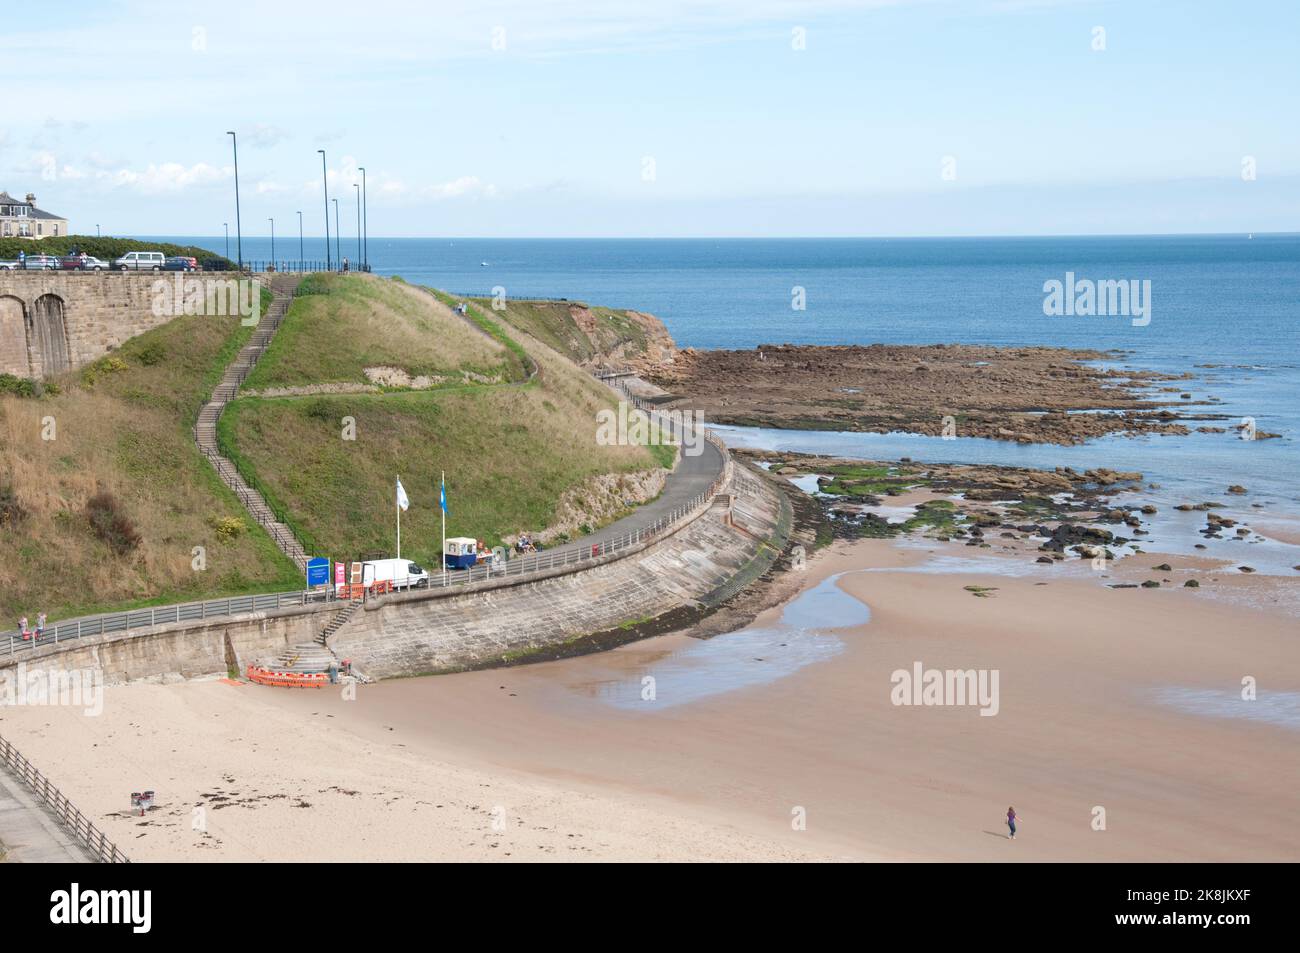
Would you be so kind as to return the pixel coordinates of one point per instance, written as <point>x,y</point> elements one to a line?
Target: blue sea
<point>1227,300</point>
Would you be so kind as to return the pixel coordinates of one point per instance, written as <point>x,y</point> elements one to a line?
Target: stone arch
<point>48,336</point>
<point>13,337</point>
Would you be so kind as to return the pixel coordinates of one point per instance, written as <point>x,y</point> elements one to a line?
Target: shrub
<point>18,386</point>
<point>11,511</point>
<point>228,528</point>
<point>102,367</point>
<point>152,353</point>
<point>319,409</point>
<point>110,523</point>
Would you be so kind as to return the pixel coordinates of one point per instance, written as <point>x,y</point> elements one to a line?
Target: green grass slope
<point>340,325</point>
<point>510,450</point>
<point>122,425</point>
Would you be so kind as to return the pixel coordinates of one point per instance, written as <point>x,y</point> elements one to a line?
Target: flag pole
<point>442,505</point>
<point>397,503</point>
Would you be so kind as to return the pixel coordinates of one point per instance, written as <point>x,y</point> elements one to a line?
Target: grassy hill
<point>121,434</point>
<point>343,324</point>
<point>585,334</point>
<point>106,514</point>
<point>514,441</point>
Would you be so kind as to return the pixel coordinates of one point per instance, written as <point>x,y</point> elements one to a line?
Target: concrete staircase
<point>339,621</point>
<point>303,657</point>
<point>205,430</point>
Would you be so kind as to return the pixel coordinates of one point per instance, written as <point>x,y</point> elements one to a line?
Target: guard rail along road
<point>573,555</point>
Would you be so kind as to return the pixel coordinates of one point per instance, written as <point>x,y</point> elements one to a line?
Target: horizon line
<point>756,238</point>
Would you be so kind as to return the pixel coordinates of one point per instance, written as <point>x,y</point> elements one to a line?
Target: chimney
<point>31,199</point>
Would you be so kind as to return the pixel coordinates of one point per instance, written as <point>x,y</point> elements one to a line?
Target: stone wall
<point>185,649</point>
<point>424,633</point>
<point>462,627</point>
<point>53,321</point>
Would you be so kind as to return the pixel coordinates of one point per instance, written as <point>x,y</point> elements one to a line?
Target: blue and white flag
<point>402,500</point>
<point>442,496</point>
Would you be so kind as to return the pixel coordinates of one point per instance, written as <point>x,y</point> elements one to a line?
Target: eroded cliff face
<point>638,341</point>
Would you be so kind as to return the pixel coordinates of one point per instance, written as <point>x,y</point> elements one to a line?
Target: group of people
<point>28,633</point>
<point>525,544</point>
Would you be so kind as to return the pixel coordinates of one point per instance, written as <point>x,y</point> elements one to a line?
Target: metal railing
<point>87,833</point>
<point>296,267</point>
<point>111,622</point>
<point>517,297</point>
<point>515,567</point>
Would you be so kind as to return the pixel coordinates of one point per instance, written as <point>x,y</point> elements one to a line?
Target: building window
<point>55,233</point>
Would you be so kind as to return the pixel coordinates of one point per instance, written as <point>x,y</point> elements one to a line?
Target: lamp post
<point>365,222</point>
<point>357,186</point>
<point>338,255</point>
<point>239,231</point>
<point>97,231</point>
<point>226,226</point>
<point>326,179</point>
<point>272,221</point>
<point>300,256</point>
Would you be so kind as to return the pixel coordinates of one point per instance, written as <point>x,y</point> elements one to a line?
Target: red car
<point>82,262</point>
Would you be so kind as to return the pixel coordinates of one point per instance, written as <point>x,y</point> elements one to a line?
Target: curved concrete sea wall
<point>467,626</point>
<point>419,634</point>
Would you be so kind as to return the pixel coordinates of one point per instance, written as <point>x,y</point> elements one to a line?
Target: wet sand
<point>1121,699</point>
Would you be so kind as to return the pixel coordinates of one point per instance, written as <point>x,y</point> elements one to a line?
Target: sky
<point>663,118</point>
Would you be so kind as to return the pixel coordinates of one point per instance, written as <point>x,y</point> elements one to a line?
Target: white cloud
<point>166,177</point>
<point>466,185</point>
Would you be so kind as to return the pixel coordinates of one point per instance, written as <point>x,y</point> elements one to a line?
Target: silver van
<point>140,261</point>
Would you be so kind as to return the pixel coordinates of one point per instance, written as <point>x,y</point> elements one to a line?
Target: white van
<point>399,573</point>
<point>140,261</point>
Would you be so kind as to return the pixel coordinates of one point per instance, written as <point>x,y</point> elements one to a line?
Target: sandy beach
<point>1127,700</point>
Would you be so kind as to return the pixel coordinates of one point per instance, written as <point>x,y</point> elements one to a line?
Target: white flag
<point>402,501</point>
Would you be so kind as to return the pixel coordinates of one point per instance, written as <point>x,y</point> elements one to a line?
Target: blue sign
<point>318,572</point>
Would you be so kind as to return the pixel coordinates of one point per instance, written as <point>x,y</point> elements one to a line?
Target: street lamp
<point>338,255</point>
<point>357,186</point>
<point>365,221</point>
<point>325,177</point>
<point>300,240</point>
<point>272,221</point>
<point>239,231</point>
<point>97,231</point>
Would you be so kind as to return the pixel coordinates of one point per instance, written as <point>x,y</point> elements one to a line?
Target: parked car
<point>140,261</point>
<point>82,262</point>
<point>8,266</point>
<point>40,263</point>
<point>181,263</point>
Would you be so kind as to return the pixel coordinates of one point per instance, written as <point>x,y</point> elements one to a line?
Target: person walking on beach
<point>1011,821</point>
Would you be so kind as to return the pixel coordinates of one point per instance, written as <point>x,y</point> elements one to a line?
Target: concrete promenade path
<point>29,831</point>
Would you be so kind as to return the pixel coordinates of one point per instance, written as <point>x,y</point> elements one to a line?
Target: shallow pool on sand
<point>751,656</point>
